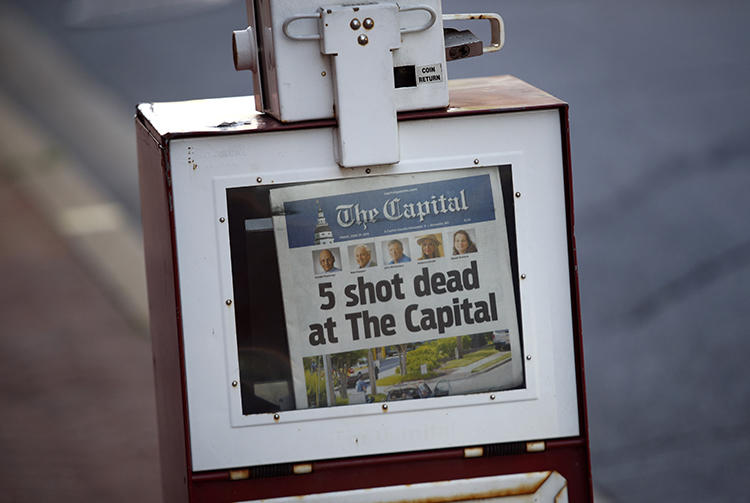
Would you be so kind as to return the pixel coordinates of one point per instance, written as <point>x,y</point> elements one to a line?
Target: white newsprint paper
<point>395,261</point>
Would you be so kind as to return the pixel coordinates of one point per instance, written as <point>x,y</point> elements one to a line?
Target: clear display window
<point>376,289</point>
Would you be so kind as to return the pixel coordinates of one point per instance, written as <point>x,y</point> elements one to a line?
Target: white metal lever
<point>288,22</point>
<point>424,27</point>
<point>360,44</point>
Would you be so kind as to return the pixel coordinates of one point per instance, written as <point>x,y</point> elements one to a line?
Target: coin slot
<point>405,76</point>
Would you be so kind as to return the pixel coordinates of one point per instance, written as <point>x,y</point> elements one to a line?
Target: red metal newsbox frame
<point>569,456</point>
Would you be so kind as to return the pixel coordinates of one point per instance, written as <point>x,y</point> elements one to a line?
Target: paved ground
<point>76,385</point>
<point>661,160</point>
<point>75,377</point>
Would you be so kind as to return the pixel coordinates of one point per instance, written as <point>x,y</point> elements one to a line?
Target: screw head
<point>528,357</point>
<point>492,397</point>
<point>222,219</point>
<point>368,171</point>
<point>323,73</point>
<point>228,302</point>
<point>523,276</point>
<point>476,161</point>
<point>234,384</point>
<point>276,417</point>
<point>518,194</point>
<point>368,24</point>
<point>355,24</point>
<point>259,179</point>
<point>362,39</point>
<point>385,406</point>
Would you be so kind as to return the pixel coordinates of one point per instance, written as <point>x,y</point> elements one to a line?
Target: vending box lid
<point>218,116</point>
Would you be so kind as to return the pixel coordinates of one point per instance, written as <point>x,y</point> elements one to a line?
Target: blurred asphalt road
<point>661,164</point>
<point>76,383</point>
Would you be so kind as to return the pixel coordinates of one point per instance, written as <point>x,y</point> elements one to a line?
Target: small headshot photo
<point>396,251</point>
<point>326,260</point>
<point>431,246</point>
<point>362,256</point>
<point>463,242</point>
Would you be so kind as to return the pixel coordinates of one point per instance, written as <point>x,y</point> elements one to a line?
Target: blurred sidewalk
<point>76,380</point>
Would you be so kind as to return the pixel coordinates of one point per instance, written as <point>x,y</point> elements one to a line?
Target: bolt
<point>362,39</point>
<point>476,161</point>
<point>222,219</point>
<point>234,384</point>
<point>355,24</point>
<point>228,302</point>
<point>259,179</point>
<point>385,407</point>
<point>369,23</point>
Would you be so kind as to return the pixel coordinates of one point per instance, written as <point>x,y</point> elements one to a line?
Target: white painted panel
<point>222,437</point>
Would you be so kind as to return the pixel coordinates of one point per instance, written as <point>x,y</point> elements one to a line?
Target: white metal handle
<point>312,36</point>
<point>496,24</point>
<point>429,24</point>
<point>316,36</point>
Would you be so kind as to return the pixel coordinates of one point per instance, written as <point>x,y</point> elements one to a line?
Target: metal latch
<point>464,44</point>
<point>359,62</point>
<point>360,39</point>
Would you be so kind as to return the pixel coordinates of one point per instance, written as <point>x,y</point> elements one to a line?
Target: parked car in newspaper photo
<point>501,340</point>
<point>418,390</point>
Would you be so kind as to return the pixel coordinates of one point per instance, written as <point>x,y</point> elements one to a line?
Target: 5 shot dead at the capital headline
<point>363,324</point>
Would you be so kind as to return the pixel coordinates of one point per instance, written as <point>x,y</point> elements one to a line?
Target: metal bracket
<point>359,40</point>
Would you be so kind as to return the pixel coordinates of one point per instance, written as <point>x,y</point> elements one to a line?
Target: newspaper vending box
<point>331,328</point>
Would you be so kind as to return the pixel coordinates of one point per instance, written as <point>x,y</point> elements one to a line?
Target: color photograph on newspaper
<point>397,287</point>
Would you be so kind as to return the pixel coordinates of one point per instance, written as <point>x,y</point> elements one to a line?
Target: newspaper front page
<point>397,287</point>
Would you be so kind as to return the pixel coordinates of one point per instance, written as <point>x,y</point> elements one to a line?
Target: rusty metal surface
<point>238,115</point>
<point>562,496</point>
<point>346,475</point>
<point>520,487</point>
<point>497,93</point>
